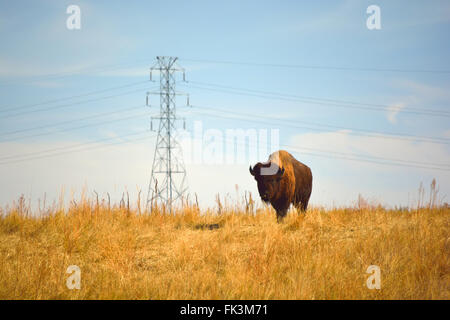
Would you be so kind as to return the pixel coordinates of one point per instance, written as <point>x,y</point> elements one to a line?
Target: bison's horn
<point>280,172</point>
<point>251,171</point>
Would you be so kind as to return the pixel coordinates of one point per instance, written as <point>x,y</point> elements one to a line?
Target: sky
<point>367,110</point>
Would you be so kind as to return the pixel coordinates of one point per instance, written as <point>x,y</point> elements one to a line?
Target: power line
<point>338,155</point>
<point>79,127</point>
<point>98,115</point>
<point>70,104</point>
<point>114,67</point>
<point>403,164</point>
<point>371,157</point>
<point>37,155</point>
<point>319,67</point>
<point>81,150</point>
<point>328,102</point>
<point>384,106</point>
<point>363,158</point>
<point>374,134</point>
<point>26,106</point>
<point>79,71</point>
<point>75,128</point>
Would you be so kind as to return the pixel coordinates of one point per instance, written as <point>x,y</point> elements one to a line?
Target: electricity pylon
<point>168,179</point>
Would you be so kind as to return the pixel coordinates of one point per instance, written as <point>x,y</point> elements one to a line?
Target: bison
<point>283,181</point>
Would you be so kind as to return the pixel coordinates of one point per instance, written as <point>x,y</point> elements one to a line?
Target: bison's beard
<point>265,200</point>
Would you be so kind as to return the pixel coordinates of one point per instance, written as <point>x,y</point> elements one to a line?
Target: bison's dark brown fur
<point>283,181</point>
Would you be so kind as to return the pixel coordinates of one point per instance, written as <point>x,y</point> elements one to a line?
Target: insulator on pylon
<point>184,124</point>
<point>146,101</point>
<point>184,76</point>
<point>188,101</point>
<point>151,75</point>
<point>151,125</point>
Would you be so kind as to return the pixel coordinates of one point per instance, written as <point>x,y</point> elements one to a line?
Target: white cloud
<point>341,180</point>
<point>141,72</point>
<point>393,111</point>
<point>422,90</point>
<point>379,146</point>
<point>446,134</point>
<point>10,68</point>
<point>327,20</point>
<point>98,44</point>
<point>128,166</point>
<point>417,95</point>
<point>107,169</point>
<point>413,15</point>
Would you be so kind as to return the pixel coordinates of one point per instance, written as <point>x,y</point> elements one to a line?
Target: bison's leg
<point>281,214</point>
<point>304,205</point>
<point>301,206</point>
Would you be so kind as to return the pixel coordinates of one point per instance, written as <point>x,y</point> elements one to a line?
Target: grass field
<point>232,255</point>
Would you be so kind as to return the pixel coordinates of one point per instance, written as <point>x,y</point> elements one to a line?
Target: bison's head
<point>268,176</point>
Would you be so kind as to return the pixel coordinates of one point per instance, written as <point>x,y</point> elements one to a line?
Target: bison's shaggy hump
<point>292,184</point>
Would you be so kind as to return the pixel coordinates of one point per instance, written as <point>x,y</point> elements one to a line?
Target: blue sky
<point>118,42</point>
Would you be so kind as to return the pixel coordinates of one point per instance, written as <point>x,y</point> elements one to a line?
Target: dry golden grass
<point>322,255</point>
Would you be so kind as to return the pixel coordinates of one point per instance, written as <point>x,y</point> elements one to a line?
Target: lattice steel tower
<point>167,182</point>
